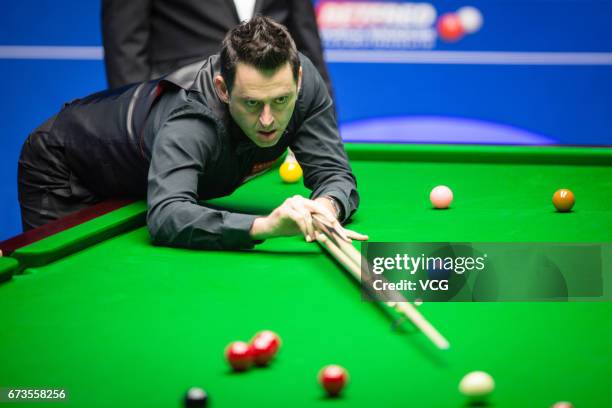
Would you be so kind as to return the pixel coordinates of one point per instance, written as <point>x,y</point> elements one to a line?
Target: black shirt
<point>182,146</point>
<point>198,152</point>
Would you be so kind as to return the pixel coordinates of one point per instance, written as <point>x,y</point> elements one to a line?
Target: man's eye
<point>281,100</point>
<point>251,103</point>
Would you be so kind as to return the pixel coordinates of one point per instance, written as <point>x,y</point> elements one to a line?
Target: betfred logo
<point>392,25</point>
<point>332,14</point>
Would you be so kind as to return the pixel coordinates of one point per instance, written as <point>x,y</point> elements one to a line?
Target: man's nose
<point>265,118</point>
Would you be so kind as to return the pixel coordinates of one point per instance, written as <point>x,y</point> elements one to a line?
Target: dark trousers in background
<point>48,190</point>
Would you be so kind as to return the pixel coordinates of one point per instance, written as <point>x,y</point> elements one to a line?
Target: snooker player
<point>198,133</point>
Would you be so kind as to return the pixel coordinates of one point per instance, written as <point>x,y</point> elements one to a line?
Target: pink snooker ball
<point>441,197</point>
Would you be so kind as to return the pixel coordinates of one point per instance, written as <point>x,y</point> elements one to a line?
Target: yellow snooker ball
<point>290,172</point>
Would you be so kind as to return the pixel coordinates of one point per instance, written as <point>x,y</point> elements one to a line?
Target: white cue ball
<point>471,18</point>
<point>563,404</point>
<point>476,384</point>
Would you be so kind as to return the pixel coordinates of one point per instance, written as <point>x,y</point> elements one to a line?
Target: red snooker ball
<point>563,200</point>
<point>333,378</point>
<point>239,355</point>
<point>265,344</point>
<point>450,27</point>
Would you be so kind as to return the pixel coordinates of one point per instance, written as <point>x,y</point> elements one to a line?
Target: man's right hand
<point>294,217</point>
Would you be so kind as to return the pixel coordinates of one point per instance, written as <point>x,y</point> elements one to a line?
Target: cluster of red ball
<point>259,351</point>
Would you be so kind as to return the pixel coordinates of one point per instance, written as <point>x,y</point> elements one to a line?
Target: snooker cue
<point>350,258</point>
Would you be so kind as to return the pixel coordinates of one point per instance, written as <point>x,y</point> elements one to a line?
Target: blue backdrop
<point>424,91</point>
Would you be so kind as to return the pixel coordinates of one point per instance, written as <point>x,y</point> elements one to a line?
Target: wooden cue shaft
<point>349,249</point>
<point>423,324</point>
<point>346,247</point>
<point>339,255</point>
<point>403,307</point>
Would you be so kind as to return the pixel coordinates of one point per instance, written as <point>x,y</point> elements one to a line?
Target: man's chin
<point>266,139</point>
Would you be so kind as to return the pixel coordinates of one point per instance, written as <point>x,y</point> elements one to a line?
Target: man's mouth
<point>267,134</point>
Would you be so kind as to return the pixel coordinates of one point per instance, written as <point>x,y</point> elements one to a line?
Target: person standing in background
<point>145,39</point>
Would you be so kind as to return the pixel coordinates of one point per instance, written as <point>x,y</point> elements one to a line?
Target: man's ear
<point>299,84</point>
<point>221,88</point>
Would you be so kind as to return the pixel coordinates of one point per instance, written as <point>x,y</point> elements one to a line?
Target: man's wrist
<point>259,229</point>
<point>335,205</point>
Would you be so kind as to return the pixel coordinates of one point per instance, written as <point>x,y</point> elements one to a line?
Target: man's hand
<point>329,204</point>
<point>294,216</point>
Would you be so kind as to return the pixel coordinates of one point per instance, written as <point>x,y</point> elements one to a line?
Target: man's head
<point>260,78</point>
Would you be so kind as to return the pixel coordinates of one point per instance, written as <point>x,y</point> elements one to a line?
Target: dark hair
<point>261,43</point>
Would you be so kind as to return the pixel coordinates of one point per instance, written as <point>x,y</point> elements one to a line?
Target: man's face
<point>262,102</point>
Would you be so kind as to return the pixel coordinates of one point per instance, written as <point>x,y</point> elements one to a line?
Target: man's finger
<point>309,225</point>
<point>341,231</point>
<point>318,208</point>
<point>299,218</point>
<point>307,217</point>
<point>356,235</point>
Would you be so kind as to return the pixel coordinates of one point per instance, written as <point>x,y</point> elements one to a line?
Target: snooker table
<point>117,322</point>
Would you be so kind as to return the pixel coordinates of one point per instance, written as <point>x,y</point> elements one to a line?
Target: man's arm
<point>182,150</point>
<point>303,28</point>
<point>318,146</point>
<point>125,33</point>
